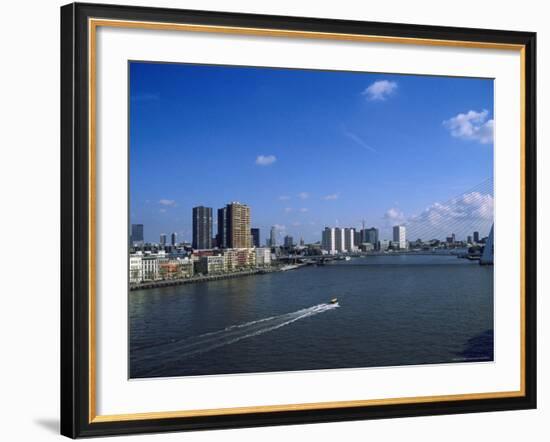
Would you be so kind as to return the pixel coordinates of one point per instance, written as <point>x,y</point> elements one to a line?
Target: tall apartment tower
<point>400,236</point>
<point>328,241</point>
<point>221,237</point>
<point>273,237</point>
<point>173,238</point>
<point>163,240</point>
<point>255,232</point>
<point>349,239</point>
<point>339,240</point>
<point>289,242</point>
<point>202,227</point>
<point>137,234</point>
<point>238,226</point>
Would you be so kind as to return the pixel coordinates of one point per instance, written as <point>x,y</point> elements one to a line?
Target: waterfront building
<point>162,241</point>
<point>137,235</point>
<point>175,268</point>
<point>208,265</point>
<point>339,239</point>
<point>469,239</point>
<point>237,259</point>
<point>358,237</point>
<point>150,267</point>
<point>237,226</point>
<point>255,232</point>
<point>367,247</point>
<point>476,237</point>
<point>370,236</point>
<point>273,237</point>
<point>383,245</point>
<point>263,256</point>
<point>168,269</point>
<point>221,237</point>
<point>202,227</point>
<point>288,242</point>
<point>349,239</point>
<point>400,237</point>
<point>328,240</point>
<point>186,267</point>
<point>135,266</point>
<point>173,239</point>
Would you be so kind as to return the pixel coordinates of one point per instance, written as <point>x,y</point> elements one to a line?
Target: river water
<point>392,310</point>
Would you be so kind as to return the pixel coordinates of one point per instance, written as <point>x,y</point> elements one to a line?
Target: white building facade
<point>400,237</point>
<point>263,256</point>
<point>349,239</point>
<point>328,240</point>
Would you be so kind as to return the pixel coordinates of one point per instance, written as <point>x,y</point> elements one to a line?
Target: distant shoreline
<point>196,279</point>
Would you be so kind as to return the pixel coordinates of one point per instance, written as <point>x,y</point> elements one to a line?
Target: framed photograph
<point>274,220</point>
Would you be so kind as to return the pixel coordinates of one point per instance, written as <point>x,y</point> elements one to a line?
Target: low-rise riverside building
<point>263,256</point>
<point>208,265</point>
<point>136,271</point>
<point>175,269</point>
<point>237,259</point>
<point>150,267</point>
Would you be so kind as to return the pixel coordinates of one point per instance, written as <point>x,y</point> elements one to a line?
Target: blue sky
<point>305,149</point>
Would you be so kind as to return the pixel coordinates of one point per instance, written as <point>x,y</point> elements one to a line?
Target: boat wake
<point>184,348</point>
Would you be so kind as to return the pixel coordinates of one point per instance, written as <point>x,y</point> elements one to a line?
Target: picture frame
<point>79,202</point>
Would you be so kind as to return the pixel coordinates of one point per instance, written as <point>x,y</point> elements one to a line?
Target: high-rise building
<point>173,238</point>
<point>137,234</point>
<point>238,226</point>
<point>476,237</point>
<point>221,237</point>
<point>328,240</point>
<point>340,242</point>
<point>255,232</point>
<point>162,241</point>
<point>400,236</point>
<point>358,237</point>
<point>289,242</point>
<point>469,239</point>
<point>371,236</point>
<point>349,239</point>
<point>273,236</point>
<point>202,227</point>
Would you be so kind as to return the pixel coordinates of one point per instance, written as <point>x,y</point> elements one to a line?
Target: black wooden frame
<point>75,220</point>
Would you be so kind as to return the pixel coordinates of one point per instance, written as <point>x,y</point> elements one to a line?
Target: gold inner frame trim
<point>93,24</point>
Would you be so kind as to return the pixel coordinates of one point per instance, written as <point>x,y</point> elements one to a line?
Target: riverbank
<point>202,278</point>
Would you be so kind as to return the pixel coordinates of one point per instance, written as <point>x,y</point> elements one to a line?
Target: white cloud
<point>304,209</point>
<point>288,209</point>
<point>284,198</point>
<point>471,126</point>
<point>303,195</point>
<point>332,196</point>
<point>380,90</point>
<point>394,216</point>
<point>265,160</point>
<point>279,226</point>
<point>167,202</point>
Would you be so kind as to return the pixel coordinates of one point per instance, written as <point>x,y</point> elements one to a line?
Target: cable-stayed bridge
<point>470,211</point>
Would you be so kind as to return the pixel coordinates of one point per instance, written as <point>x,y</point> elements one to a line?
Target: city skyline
<point>332,161</point>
